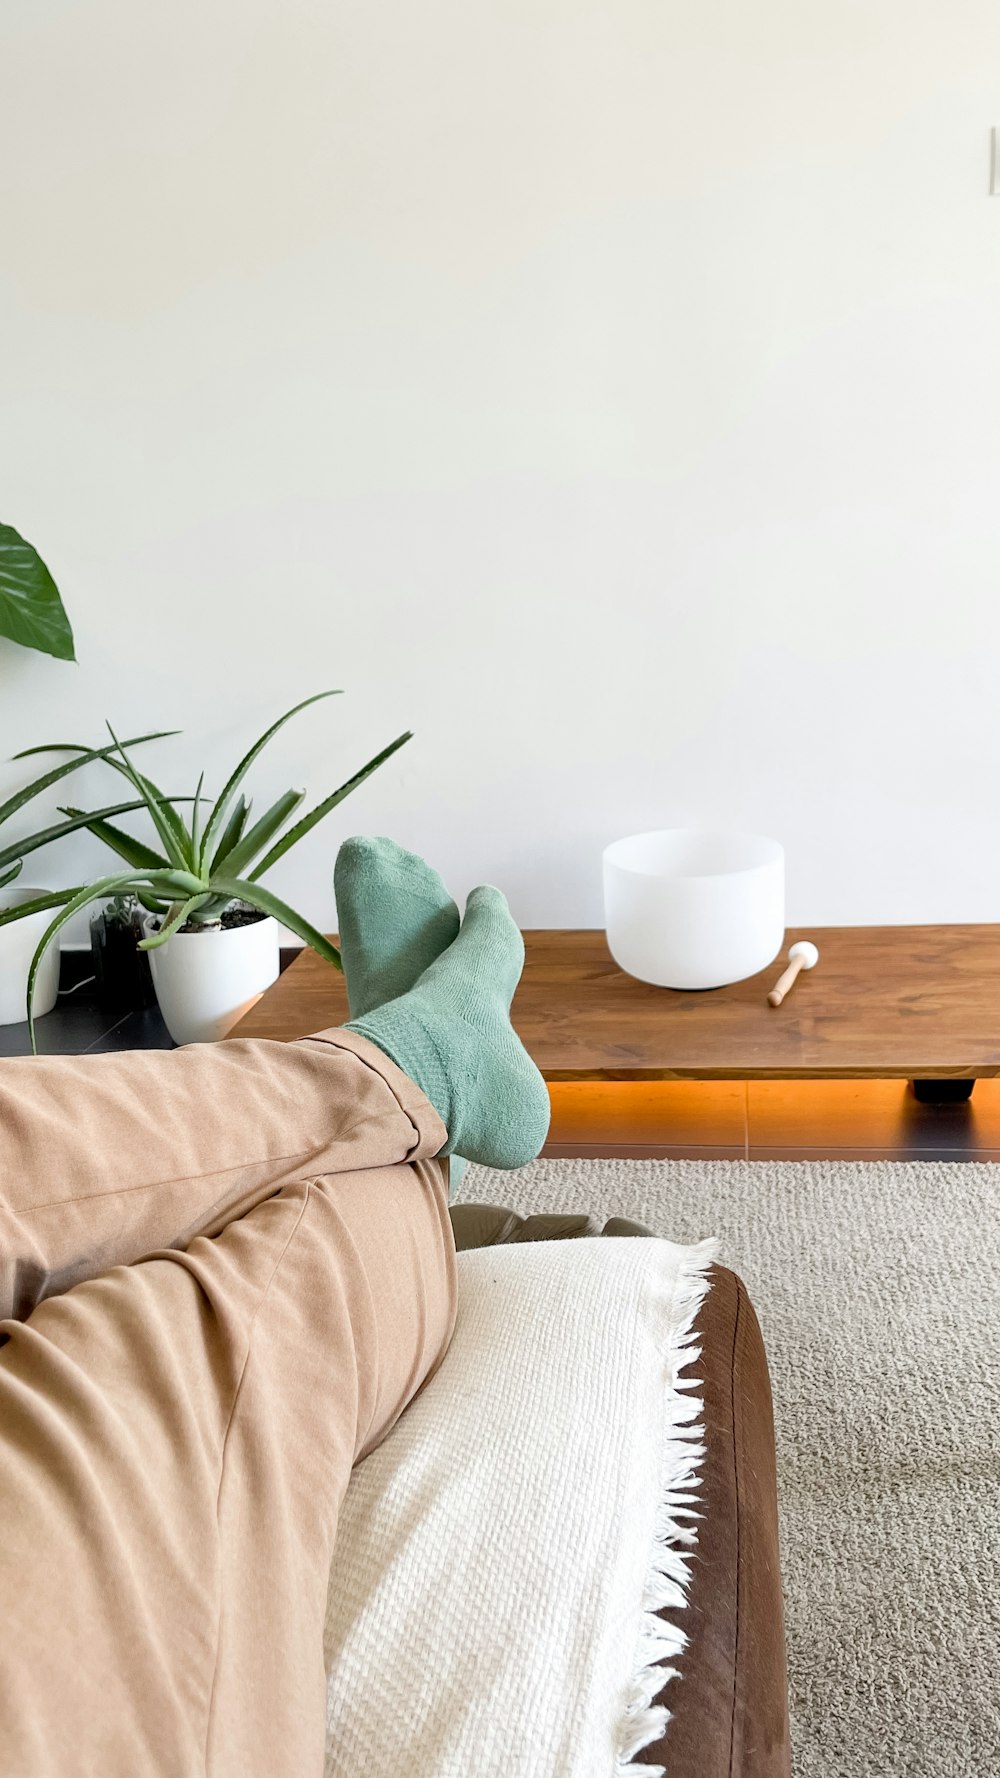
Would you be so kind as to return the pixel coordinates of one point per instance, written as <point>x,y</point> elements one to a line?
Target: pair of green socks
<point>434,994</point>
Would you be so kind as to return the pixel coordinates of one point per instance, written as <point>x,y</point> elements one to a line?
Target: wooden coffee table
<point>918,1003</point>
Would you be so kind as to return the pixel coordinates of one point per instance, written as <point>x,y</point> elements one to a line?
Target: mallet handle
<point>785,981</point>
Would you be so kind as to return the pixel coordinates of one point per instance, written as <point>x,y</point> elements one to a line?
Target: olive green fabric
<point>493,1225</point>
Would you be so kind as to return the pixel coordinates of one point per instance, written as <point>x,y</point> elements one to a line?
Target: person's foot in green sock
<point>395,917</point>
<point>452,1034</point>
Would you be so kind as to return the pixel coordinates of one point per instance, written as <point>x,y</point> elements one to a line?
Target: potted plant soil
<point>212,928</point>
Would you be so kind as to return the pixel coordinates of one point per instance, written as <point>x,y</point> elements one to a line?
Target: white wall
<point>607,389</point>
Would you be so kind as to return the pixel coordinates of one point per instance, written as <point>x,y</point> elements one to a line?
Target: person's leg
<point>176,1440</point>
<point>175,1436</point>
<point>103,1158</point>
<point>106,1158</point>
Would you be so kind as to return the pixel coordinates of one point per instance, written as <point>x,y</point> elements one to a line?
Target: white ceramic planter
<point>18,943</point>
<point>205,981</point>
<point>686,909</point>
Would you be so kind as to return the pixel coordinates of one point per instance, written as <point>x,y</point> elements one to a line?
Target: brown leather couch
<point>729,1703</point>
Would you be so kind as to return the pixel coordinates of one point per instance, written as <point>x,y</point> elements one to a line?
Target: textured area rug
<point>877,1285</point>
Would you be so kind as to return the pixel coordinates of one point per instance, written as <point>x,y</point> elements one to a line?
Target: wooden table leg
<point>942,1092</point>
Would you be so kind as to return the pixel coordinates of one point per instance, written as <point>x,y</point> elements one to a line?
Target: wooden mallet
<point>801,956</point>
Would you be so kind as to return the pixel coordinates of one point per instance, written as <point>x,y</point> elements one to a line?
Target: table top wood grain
<point>906,1002</point>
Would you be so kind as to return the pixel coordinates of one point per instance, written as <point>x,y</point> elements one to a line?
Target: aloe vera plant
<point>204,864</point>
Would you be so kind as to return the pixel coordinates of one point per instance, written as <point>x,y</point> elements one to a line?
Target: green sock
<point>452,1034</point>
<point>395,917</point>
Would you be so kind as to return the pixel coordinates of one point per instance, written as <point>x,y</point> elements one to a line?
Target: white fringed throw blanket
<point>502,1558</point>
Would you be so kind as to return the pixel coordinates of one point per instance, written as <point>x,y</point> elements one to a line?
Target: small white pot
<point>686,909</point>
<point>18,943</point>
<point>207,980</point>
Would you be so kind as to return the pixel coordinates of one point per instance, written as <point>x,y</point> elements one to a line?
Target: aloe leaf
<point>133,851</point>
<point>196,826</point>
<point>149,902</point>
<point>168,823</point>
<point>175,839</point>
<point>257,836</point>
<point>212,911</point>
<point>32,841</point>
<point>156,939</point>
<point>11,806</point>
<point>230,789</point>
<point>97,752</point>
<point>236,889</point>
<point>301,828</point>
<point>54,898</point>
<point>173,885</point>
<point>31,610</point>
<point>233,830</point>
<point>12,871</point>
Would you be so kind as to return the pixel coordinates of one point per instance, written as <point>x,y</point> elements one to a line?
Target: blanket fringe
<point>661,1643</point>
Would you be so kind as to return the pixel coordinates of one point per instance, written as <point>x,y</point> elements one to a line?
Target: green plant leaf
<point>186,908</point>
<point>18,800</point>
<point>149,902</point>
<point>97,752</point>
<point>230,789</point>
<point>212,911</point>
<point>12,871</point>
<point>172,885</point>
<point>125,844</point>
<point>174,837</point>
<point>54,898</point>
<point>178,884</point>
<point>259,897</point>
<point>257,836</point>
<point>196,826</point>
<point>31,611</point>
<point>31,842</point>
<point>301,828</point>
<point>234,828</point>
<point>44,837</point>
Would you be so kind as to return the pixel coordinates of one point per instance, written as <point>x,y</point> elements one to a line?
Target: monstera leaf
<point>31,611</point>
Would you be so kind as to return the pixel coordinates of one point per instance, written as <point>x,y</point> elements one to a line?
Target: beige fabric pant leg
<point>177,1431</point>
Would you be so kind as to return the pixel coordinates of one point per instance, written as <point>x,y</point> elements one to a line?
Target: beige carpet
<point>878,1289</point>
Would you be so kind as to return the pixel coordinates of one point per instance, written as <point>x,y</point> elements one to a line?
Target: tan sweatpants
<point>226,1270</point>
